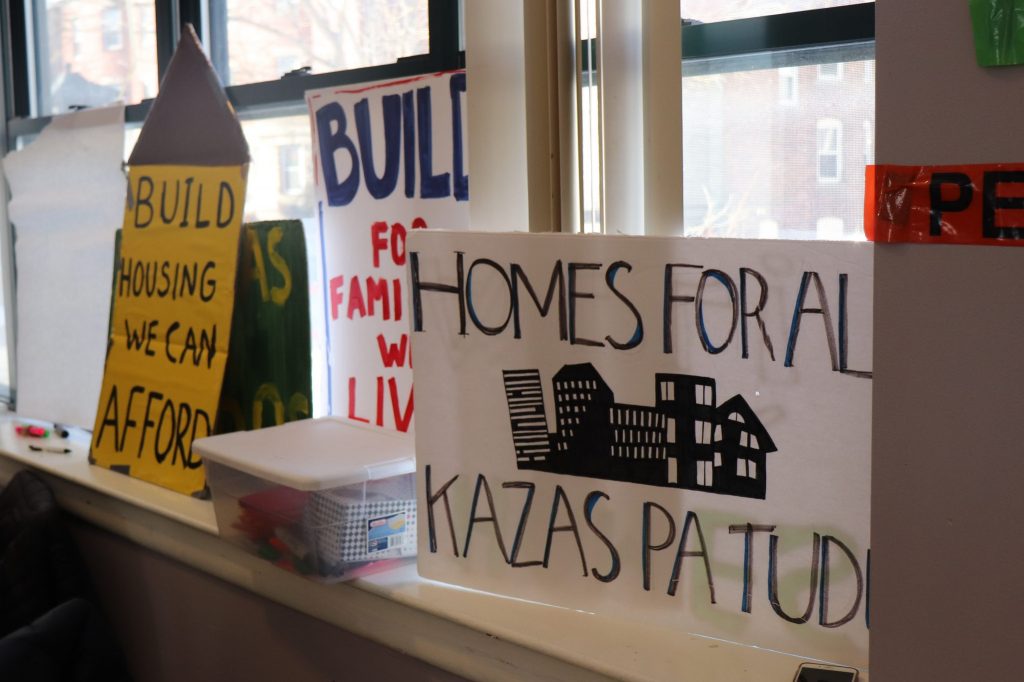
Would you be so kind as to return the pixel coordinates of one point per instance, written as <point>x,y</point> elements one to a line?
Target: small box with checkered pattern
<point>326,498</point>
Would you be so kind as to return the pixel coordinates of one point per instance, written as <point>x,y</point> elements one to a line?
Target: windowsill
<point>473,634</point>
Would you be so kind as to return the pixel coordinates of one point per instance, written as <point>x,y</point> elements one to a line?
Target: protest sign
<point>175,288</point>
<point>390,158</point>
<point>268,379</point>
<point>678,427</point>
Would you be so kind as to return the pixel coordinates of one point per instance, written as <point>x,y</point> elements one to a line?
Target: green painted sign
<point>269,374</point>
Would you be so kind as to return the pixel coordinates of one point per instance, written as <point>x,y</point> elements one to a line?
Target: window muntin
<point>705,473</point>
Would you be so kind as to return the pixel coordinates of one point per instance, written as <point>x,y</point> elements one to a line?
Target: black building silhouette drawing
<point>685,440</point>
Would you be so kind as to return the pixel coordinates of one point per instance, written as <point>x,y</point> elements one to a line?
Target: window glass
<point>267,38</point>
<point>94,52</point>
<point>755,166</point>
<point>706,11</point>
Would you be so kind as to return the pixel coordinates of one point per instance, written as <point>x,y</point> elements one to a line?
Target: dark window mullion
<point>829,26</point>
<point>15,60</point>
<point>443,23</point>
<point>167,18</point>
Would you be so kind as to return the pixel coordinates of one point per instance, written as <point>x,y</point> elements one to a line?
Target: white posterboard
<point>67,202</point>
<point>670,430</point>
<point>389,158</point>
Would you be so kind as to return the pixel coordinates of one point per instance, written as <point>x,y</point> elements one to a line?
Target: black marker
<point>60,431</point>
<point>49,448</point>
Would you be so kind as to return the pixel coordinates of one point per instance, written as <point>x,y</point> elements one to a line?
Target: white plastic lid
<point>313,454</point>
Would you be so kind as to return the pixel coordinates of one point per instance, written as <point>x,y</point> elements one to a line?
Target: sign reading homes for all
<point>390,159</point>
<point>671,430</point>
<point>175,290</point>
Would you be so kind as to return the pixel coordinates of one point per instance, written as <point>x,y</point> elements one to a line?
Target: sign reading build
<point>175,290</point>
<point>679,427</point>
<point>390,159</point>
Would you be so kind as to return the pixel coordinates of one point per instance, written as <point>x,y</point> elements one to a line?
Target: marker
<point>60,431</point>
<point>50,448</point>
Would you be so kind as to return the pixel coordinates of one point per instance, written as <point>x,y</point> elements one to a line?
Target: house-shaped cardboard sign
<point>174,292</point>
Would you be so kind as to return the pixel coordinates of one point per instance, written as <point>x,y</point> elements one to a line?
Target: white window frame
<point>829,75</point>
<point>789,85</point>
<point>831,145</point>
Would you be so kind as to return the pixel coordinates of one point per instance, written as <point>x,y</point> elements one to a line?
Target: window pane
<point>268,38</point>
<point>706,11</point>
<point>755,165</point>
<point>94,52</point>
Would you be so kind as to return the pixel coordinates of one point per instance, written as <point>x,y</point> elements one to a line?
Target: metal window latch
<point>301,71</point>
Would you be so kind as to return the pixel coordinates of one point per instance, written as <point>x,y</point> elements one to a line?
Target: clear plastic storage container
<point>325,498</point>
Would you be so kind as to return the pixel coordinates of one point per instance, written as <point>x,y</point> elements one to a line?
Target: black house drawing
<point>685,440</point>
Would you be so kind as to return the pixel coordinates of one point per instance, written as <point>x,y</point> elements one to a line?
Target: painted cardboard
<point>175,292</point>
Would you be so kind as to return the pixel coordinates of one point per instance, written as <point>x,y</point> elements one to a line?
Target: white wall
<point>948,447</point>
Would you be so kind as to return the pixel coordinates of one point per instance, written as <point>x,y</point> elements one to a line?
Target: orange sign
<point>972,204</point>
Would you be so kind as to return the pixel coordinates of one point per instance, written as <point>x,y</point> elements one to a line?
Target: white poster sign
<point>671,430</point>
<point>390,158</point>
<point>67,202</point>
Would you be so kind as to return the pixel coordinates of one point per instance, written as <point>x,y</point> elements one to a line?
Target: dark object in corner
<point>50,628</point>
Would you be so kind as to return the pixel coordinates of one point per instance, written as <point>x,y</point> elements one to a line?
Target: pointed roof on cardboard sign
<point>191,121</point>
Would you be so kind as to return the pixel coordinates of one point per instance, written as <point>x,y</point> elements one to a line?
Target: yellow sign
<point>173,300</point>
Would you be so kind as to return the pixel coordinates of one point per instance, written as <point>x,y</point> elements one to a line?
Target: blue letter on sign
<point>338,193</point>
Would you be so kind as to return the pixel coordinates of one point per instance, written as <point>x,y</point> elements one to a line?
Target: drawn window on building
<point>702,432</point>
<point>705,472</point>
<point>112,31</point>
<point>668,390</point>
<point>736,417</point>
<point>718,433</point>
<point>830,71</point>
<point>744,439</point>
<point>789,85</point>
<point>718,459</point>
<point>743,467</point>
<point>703,394</point>
<point>670,430</point>
<point>830,150</point>
<point>673,470</point>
